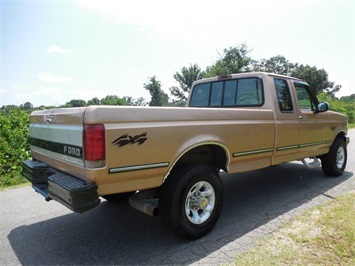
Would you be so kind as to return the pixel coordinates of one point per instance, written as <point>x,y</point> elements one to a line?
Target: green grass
<point>15,186</point>
<point>12,180</point>
<point>324,235</point>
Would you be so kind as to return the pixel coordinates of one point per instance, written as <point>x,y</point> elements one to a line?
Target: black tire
<point>191,200</point>
<point>334,162</point>
<point>118,197</point>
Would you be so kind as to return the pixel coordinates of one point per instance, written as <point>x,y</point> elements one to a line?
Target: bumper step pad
<point>70,191</point>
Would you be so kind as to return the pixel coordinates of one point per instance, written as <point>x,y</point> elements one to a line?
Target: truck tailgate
<point>56,138</point>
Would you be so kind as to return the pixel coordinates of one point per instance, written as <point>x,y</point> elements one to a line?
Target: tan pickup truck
<point>168,159</point>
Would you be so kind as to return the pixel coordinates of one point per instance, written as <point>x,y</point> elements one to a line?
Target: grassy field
<point>324,235</point>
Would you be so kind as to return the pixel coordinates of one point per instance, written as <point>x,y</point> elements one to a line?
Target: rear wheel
<point>334,162</point>
<point>191,200</point>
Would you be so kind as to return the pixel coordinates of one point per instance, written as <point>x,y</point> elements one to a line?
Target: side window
<point>201,95</point>
<point>305,100</point>
<point>249,92</point>
<point>230,91</point>
<point>216,94</point>
<point>283,95</point>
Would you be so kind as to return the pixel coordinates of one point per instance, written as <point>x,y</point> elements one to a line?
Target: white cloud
<point>54,49</point>
<point>204,24</point>
<point>160,15</point>
<point>44,76</point>
<point>14,93</point>
<point>47,91</point>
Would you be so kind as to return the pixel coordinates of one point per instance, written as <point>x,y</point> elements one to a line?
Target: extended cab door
<point>287,122</point>
<point>312,130</point>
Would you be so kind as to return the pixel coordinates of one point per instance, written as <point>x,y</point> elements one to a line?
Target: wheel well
<point>206,154</point>
<point>341,135</point>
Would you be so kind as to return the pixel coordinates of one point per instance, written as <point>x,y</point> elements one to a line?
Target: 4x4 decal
<point>127,139</point>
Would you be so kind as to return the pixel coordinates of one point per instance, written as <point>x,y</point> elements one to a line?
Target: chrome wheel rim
<point>340,157</point>
<point>200,202</point>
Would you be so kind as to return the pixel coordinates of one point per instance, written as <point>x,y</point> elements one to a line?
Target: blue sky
<point>56,51</point>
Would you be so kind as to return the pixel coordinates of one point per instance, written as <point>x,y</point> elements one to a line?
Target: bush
<point>346,108</point>
<point>14,146</point>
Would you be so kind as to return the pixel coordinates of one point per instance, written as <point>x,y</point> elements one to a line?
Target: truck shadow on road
<point>118,234</point>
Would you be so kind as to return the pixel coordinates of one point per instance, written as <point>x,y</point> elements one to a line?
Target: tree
<point>130,101</point>
<point>185,78</point>
<point>140,102</point>
<point>234,60</point>
<point>94,101</point>
<point>316,78</point>
<point>75,103</point>
<point>350,98</point>
<point>159,97</point>
<point>14,146</point>
<point>277,64</point>
<point>333,90</point>
<point>112,100</point>
<point>26,106</point>
<point>8,108</point>
<point>343,105</point>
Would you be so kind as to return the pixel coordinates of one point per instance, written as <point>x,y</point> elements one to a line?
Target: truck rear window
<point>242,92</point>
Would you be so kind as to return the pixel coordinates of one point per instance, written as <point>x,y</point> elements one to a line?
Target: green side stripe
<point>302,145</point>
<point>287,148</point>
<point>283,148</point>
<point>137,167</point>
<point>312,144</point>
<point>238,154</point>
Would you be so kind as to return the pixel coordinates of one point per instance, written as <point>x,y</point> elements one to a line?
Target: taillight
<point>94,145</point>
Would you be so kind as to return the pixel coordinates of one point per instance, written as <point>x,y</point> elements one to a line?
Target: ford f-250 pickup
<point>169,159</point>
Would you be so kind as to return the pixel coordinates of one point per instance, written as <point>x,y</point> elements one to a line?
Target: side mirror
<point>322,107</point>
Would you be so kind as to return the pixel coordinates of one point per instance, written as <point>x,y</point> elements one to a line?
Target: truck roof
<point>243,75</point>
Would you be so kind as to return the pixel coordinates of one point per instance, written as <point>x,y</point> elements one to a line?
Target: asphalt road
<point>35,232</point>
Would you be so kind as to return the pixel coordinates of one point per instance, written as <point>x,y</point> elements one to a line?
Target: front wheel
<point>191,200</point>
<point>334,162</point>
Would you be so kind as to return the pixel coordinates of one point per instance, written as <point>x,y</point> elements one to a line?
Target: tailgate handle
<point>49,118</point>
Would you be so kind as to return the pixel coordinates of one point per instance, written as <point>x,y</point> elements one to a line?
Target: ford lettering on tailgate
<point>72,151</point>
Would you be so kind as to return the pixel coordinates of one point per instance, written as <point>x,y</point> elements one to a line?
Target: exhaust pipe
<point>146,201</point>
<point>311,165</point>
